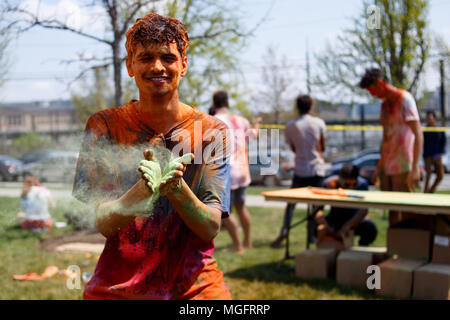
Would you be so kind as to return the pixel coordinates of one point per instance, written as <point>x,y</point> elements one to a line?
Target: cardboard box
<point>409,243</point>
<point>441,249</point>
<point>318,263</point>
<point>332,243</point>
<point>397,277</point>
<point>351,265</point>
<point>432,281</point>
<point>441,241</point>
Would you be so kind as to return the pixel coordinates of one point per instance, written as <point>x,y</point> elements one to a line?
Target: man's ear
<point>129,68</point>
<point>185,65</point>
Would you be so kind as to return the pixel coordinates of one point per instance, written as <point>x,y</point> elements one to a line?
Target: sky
<point>38,72</point>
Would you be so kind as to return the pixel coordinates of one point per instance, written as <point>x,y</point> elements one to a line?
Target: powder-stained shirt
<point>398,143</point>
<point>157,256</point>
<point>304,134</point>
<point>240,132</point>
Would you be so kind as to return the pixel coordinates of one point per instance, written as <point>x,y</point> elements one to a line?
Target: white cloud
<point>91,19</point>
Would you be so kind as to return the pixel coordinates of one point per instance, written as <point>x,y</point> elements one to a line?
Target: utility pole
<point>363,121</point>
<point>443,111</point>
<point>308,71</point>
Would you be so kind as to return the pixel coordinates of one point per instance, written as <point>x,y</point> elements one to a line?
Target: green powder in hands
<point>154,178</point>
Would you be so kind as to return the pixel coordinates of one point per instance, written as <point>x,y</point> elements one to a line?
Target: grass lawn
<point>254,275</point>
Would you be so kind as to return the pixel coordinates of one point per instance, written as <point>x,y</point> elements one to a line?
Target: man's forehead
<point>143,48</point>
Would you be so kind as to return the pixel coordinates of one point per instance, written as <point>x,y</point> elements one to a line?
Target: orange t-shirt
<point>157,256</point>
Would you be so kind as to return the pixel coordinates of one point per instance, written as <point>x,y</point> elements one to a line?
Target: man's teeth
<point>158,79</point>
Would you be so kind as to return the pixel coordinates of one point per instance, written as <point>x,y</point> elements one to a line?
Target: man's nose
<point>157,66</point>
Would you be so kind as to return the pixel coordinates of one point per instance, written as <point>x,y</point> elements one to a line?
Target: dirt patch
<point>81,247</point>
<point>91,238</point>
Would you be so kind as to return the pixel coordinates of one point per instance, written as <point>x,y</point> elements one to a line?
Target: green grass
<point>254,275</point>
<point>19,254</point>
<point>256,190</point>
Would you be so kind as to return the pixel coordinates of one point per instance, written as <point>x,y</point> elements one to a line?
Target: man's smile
<point>157,79</point>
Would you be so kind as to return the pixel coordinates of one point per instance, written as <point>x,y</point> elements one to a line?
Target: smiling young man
<point>402,142</point>
<point>164,252</point>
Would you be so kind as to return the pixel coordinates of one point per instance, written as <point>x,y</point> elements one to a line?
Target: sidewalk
<point>58,192</point>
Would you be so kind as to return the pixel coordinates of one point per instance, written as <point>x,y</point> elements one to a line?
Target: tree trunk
<point>117,74</point>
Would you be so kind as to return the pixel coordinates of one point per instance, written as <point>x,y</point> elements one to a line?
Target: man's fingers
<point>148,154</point>
<point>145,170</point>
<point>149,178</point>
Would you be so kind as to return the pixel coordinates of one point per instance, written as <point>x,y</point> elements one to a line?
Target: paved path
<point>13,189</point>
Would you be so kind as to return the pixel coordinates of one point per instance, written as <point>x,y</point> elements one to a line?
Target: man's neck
<point>391,93</point>
<point>161,113</point>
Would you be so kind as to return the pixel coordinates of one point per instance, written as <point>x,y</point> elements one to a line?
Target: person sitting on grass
<point>340,221</point>
<point>35,201</point>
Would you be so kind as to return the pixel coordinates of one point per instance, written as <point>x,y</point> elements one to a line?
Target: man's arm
<point>414,174</point>
<point>322,142</point>
<point>114,215</point>
<point>202,219</point>
<point>354,221</point>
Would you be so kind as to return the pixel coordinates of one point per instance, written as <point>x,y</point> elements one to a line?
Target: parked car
<point>57,166</point>
<point>35,156</point>
<point>284,165</point>
<point>366,164</point>
<point>11,168</point>
<point>360,154</point>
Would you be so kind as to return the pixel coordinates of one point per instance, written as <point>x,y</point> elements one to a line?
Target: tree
<point>4,60</point>
<point>214,28</point>
<point>99,95</point>
<point>29,142</point>
<point>389,34</point>
<point>276,83</point>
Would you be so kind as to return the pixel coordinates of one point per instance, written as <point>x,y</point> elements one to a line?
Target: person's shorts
<point>435,156</point>
<point>37,225</point>
<point>238,196</point>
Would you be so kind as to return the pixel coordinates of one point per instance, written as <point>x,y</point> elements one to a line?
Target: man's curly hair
<point>154,28</point>
<point>370,77</point>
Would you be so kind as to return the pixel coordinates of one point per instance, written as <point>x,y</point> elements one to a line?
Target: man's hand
<point>150,170</point>
<point>345,229</point>
<point>167,181</point>
<point>322,222</point>
<point>413,178</point>
<point>375,175</point>
<point>173,173</point>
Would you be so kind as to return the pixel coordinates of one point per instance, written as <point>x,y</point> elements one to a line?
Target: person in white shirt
<point>35,202</point>
<point>306,137</point>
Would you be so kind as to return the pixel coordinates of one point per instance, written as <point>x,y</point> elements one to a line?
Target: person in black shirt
<point>341,220</point>
<point>433,149</point>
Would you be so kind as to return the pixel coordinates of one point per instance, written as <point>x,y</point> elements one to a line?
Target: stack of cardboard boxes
<point>407,273</point>
<point>432,281</point>
<point>321,262</point>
